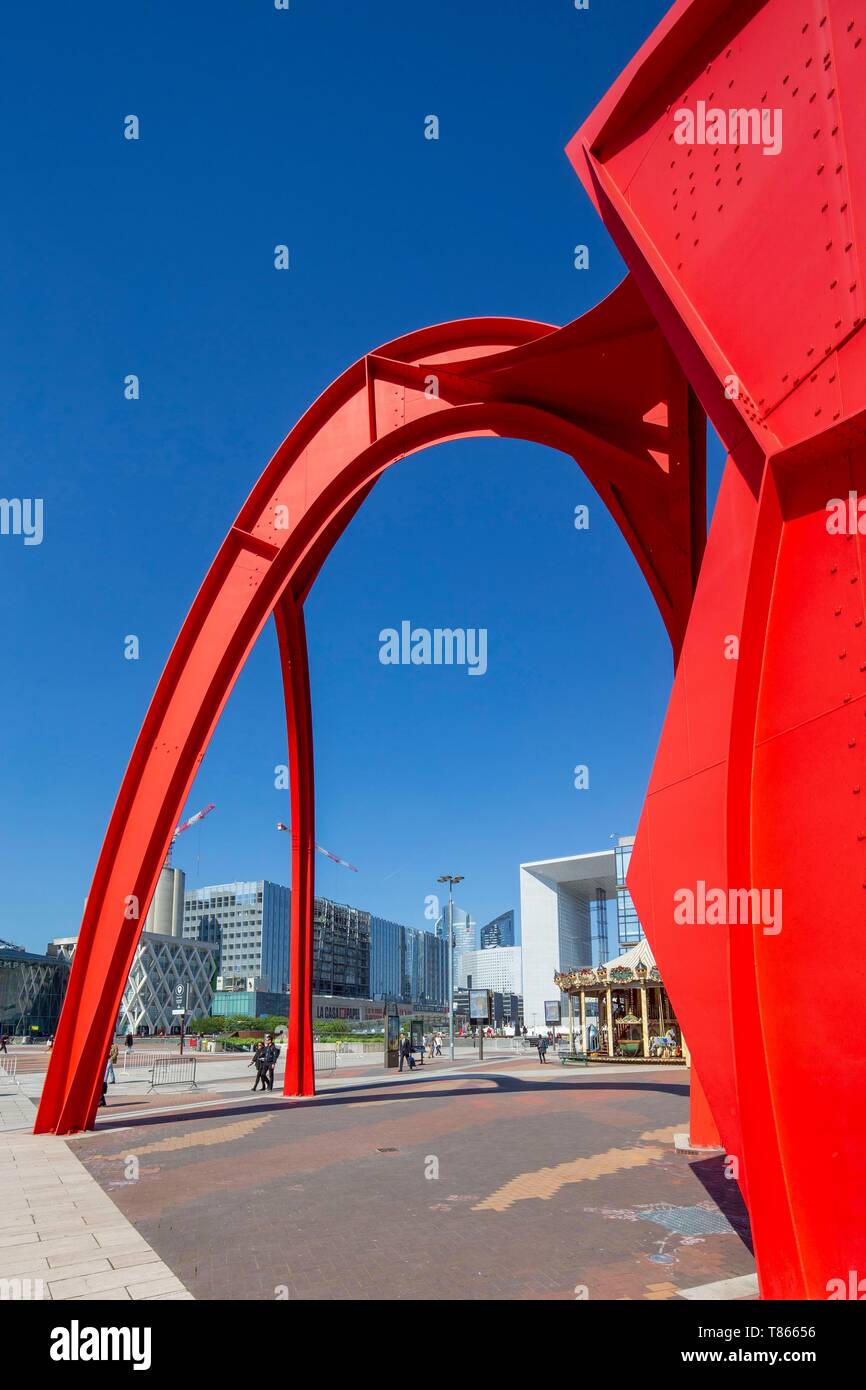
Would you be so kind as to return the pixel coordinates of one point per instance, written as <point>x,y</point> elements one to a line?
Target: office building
<point>250,922</point>
<point>464,928</point>
<point>629,929</point>
<point>32,988</point>
<point>408,964</point>
<point>564,919</point>
<point>499,968</point>
<point>245,999</point>
<point>499,932</point>
<point>341,949</point>
<point>161,963</point>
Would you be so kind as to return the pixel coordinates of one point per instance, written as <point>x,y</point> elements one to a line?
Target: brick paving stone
<point>545,1185</point>
<point>167,1284</point>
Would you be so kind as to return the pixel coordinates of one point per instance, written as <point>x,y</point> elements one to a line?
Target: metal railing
<point>173,1071</point>
<point>324,1061</point>
<point>9,1067</point>
<point>136,1060</point>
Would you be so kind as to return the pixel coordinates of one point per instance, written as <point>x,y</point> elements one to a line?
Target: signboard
<point>479,1005</point>
<point>552,1011</point>
<point>392,1037</point>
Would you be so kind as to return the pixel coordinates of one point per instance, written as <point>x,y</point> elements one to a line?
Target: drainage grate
<point>690,1221</point>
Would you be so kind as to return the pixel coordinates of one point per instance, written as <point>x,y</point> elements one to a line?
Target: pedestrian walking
<point>541,1044</point>
<point>270,1057</point>
<point>3,1041</point>
<point>438,1045</point>
<point>406,1054</point>
<point>102,1100</point>
<point>257,1061</point>
<point>112,1060</point>
<point>129,1042</point>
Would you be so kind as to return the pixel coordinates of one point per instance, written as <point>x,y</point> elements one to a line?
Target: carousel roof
<point>639,954</point>
<point>635,965</point>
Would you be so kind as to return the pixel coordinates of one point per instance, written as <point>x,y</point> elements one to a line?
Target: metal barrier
<point>324,1061</point>
<point>9,1067</point>
<point>139,1061</point>
<point>173,1071</point>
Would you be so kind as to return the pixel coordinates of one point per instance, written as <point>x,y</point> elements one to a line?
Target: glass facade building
<point>160,964</point>
<point>499,932</point>
<point>249,1003</point>
<point>250,923</point>
<point>32,988</point>
<point>341,949</point>
<point>629,929</point>
<point>408,965</point>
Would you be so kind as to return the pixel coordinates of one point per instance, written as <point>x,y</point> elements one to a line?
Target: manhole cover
<point>689,1221</point>
<point>386,1151</point>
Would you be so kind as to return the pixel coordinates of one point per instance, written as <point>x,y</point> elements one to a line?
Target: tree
<point>206,1025</point>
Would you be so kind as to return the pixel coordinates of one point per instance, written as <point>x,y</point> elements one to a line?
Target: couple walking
<point>264,1059</point>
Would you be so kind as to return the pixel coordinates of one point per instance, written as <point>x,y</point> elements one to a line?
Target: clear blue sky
<point>156,258</point>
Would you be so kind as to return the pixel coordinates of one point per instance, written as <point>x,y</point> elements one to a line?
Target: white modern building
<point>498,968</point>
<point>565,922</point>
<point>161,963</point>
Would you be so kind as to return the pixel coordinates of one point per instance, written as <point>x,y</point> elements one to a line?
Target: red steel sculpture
<point>727,163</point>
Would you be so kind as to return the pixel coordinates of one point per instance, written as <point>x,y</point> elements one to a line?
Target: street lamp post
<point>450,879</point>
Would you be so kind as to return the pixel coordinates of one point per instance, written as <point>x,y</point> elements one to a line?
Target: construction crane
<point>185,825</point>
<point>327,853</point>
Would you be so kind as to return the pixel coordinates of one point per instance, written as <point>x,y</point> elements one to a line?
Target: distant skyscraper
<point>499,932</point>
<point>465,929</point>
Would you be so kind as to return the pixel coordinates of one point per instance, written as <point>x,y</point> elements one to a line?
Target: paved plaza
<point>498,1180</point>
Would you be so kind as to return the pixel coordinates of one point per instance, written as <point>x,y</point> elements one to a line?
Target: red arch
<point>605,389</point>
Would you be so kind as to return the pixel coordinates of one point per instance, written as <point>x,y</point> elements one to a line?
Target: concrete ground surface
<point>61,1235</point>
<point>499,1180</point>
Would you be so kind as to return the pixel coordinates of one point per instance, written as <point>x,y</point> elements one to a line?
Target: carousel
<point>624,1013</point>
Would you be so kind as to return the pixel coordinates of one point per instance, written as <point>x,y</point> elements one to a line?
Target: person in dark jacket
<point>270,1055</point>
<point>406,1054</point>
<point>256,1061</point>
<point>541,1044</point>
